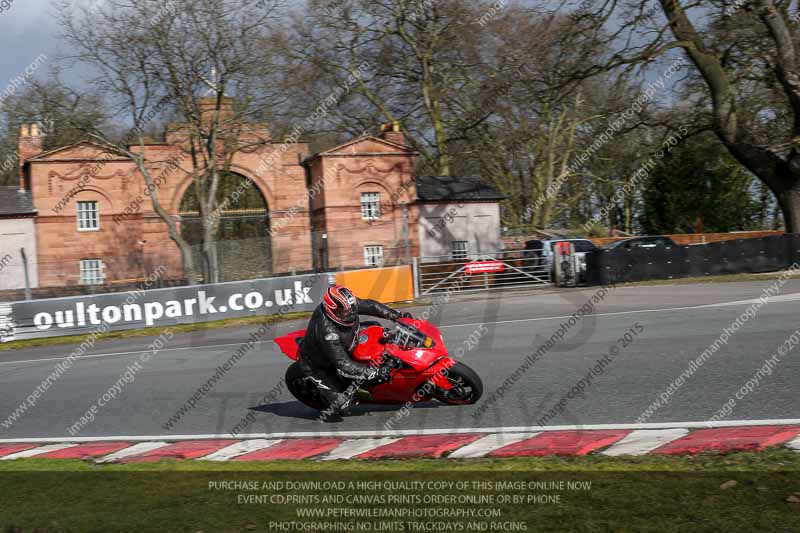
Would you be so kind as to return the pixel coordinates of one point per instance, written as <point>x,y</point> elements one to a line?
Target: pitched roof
<point>71,148</point>
<point>366,140</point>
<point>439,188</point>
<point>15,201</point>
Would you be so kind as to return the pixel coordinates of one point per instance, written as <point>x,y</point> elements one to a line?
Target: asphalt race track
<point>677,323</point>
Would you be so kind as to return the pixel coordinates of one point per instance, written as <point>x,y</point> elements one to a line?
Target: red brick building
<point>353,205</point>
<point>81,239</point>
<point>364,209</point>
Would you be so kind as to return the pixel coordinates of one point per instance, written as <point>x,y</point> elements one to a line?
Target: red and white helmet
<point>340,305</point>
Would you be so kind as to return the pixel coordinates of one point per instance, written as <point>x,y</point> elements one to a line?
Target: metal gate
<point>482,272</point>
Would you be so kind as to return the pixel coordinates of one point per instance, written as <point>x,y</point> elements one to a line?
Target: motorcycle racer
<point>331,337</point>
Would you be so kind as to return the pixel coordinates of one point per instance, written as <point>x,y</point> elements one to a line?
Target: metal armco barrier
<point>482,272</point>
<point>767,254</point>
<point>160,307</point>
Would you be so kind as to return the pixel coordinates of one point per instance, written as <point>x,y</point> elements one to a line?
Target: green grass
<point>651,493</point>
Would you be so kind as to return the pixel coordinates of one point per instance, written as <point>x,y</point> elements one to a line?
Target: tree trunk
<point>210,262</point>
<point>628,203</point>
<point>768,165</point>
<point>189,270</point>
<point>789,201</point>
<point>187,261</point>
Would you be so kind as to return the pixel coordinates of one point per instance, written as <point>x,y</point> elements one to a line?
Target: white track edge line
<point>414,432</point>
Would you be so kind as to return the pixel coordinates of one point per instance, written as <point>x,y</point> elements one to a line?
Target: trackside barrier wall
<point>767,254</point>
<point>387,285</point>
<point>160,307</point>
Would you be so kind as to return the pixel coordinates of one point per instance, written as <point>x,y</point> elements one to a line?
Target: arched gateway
<point>242,244</point>
<point>95,223</point>
<point>126,239</point>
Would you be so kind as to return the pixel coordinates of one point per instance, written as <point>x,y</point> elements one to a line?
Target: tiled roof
<point>438,188</point>
<point>15,201</point>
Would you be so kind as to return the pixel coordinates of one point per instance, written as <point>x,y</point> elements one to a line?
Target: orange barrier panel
<point>387,285</point>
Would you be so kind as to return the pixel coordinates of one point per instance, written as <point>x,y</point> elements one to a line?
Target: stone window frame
<point>459,254</point>
<point>370,255</point>
<point>94,215</point>
<point>371,208</point>
<point>96,268</point>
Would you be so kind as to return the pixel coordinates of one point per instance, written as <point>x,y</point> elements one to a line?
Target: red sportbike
<point>422,368</point>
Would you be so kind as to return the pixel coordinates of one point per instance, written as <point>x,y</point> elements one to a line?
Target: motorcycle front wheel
<point>467,386</point>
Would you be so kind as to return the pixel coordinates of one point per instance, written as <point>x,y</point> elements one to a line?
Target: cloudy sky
<point>27,28</point>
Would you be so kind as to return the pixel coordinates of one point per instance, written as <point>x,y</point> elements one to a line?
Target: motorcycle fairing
<point>423,364</point>
<point>289,344</point>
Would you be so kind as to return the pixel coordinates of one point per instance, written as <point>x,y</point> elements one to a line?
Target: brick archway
<point>183,187</point>
<point>242,246</point>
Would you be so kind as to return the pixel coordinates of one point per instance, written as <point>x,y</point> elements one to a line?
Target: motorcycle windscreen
<point>289,344</point>
<point>428,329</point>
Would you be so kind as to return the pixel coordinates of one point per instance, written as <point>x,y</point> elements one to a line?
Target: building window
<point>460,250</point>
<point>373,256</point>
<point>88,217</point>
<point>370,205</point>
<point>91,272</point>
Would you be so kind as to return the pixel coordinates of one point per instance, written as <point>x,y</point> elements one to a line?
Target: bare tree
<point>423,60</point>
<point>772,45</point>
<point>546,112</point>
<point>63,116</point>
<point>746,56</point>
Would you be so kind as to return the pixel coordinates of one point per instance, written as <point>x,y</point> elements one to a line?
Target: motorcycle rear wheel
<point>303,388</point>
<point>467,386</point>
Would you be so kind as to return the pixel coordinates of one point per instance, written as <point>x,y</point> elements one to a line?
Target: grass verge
<point>737,492</point>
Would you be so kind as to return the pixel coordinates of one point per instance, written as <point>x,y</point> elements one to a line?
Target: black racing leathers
<point>325,356</point>
<point>327,345</point>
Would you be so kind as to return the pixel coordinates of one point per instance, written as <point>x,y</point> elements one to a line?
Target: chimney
<point>31,144</point>
<point>393,133</point>
<point>208,105</point>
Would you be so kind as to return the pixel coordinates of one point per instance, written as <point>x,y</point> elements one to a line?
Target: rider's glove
<point>383,373</point>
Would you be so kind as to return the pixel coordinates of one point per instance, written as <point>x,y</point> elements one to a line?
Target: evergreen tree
<point>699,187</point>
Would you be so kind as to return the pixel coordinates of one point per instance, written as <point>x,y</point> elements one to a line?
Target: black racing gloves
<point>380,374</point>
<point>384,372</point>
<point>400,314</point>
